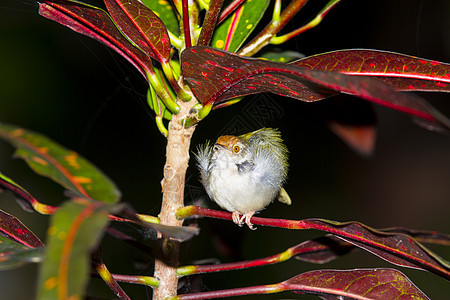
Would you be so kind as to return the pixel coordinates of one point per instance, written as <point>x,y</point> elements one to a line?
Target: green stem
<point>175,41</point>
<point>316,21</point>
<point>168,72</point>
<point>276,11</point>
<point>165,96</point>
<point>161,127</point>
<point>264,37</point>
<point>142,280</point>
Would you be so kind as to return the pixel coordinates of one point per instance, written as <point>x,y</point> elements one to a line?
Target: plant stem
<point>186,25</point>
<point>263,38</point>
<point>177,158</point>
<point>229,10</point>
<point>316,21</point>
<point>210,22</point>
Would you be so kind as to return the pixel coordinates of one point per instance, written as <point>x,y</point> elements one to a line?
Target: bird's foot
<point>245,218</point>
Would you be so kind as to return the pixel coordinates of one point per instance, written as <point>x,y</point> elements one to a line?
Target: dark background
<point>82,95</point>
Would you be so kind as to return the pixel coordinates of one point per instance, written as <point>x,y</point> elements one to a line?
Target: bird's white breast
<point>234,190</point>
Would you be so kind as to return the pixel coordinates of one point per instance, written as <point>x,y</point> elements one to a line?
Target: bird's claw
<point>245,218</point>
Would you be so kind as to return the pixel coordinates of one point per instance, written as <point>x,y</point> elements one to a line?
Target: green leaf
<point>232,33</point>
<point>164,10</point>
<point>282,56</point>
<point>14,255</point>
<point>64,166</point>
<point>74,231</point>
<point>23,196</point>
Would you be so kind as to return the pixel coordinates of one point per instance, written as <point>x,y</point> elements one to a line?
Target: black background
<point>79,93</point>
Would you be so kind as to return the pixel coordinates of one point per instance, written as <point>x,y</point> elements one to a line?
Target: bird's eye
<point>236,149</point>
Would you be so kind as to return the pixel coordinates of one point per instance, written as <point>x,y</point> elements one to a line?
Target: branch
<point>316,21</point>
<point>210,22</point>
<point>229,10</point>
<point>264,37</point>
<point>186,24</point>
<point>319,250</point>
<point>396,248</point>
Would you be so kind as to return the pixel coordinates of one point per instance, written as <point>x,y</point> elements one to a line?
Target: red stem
<point>282,223</point>
<point>186,25</point>
<point>210,22</point>
<point>229,10</point>
<point>360,241</point>
<point>108,278</point>
<point>251,290</point>
<point>302,248</point>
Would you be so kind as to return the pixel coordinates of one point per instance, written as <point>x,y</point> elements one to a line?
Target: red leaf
<point>362,284</point>
<point>11,227</point>
<point>322,249</point>
<point>397,248</point>
<point>328,247</point>
<point>359,138</point>
<point>214,74</point>
<point>97,24</point>
<point>141,26</point>
<point>401,72</point>
<point>356,284</point>
<point>353,121</point>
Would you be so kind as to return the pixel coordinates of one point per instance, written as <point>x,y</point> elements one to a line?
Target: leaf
<point>396,248</point>
<point>216,76</point>
<point>13,229</point>
<point>282,56</point>
<point>164,10</point>
<point>63,166</point>
<point>142,27</point>
<point>23,196</point>
<point>13,254</point>
<point>361,284</point>
<point>353,121</point>
<point>401,72</point>
<point>327,248</point>
<point>355,284</point>
<point>25,199</point>
<point>75,229</point>
<point>423,236</point>
<point>180,233</point>
<point>95,23</point>
<point>322,250</point>
<point>360,138</point>
<point>232,33</point>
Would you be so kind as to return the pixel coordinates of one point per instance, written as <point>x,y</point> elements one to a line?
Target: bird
<point>243,174</point>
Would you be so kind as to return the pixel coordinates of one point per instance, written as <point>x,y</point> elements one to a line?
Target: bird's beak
<point>219,147</point>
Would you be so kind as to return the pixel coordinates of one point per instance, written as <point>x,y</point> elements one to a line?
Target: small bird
<point>243,174</point>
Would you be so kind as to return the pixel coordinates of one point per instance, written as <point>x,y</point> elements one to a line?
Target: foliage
<point>182,55</point>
